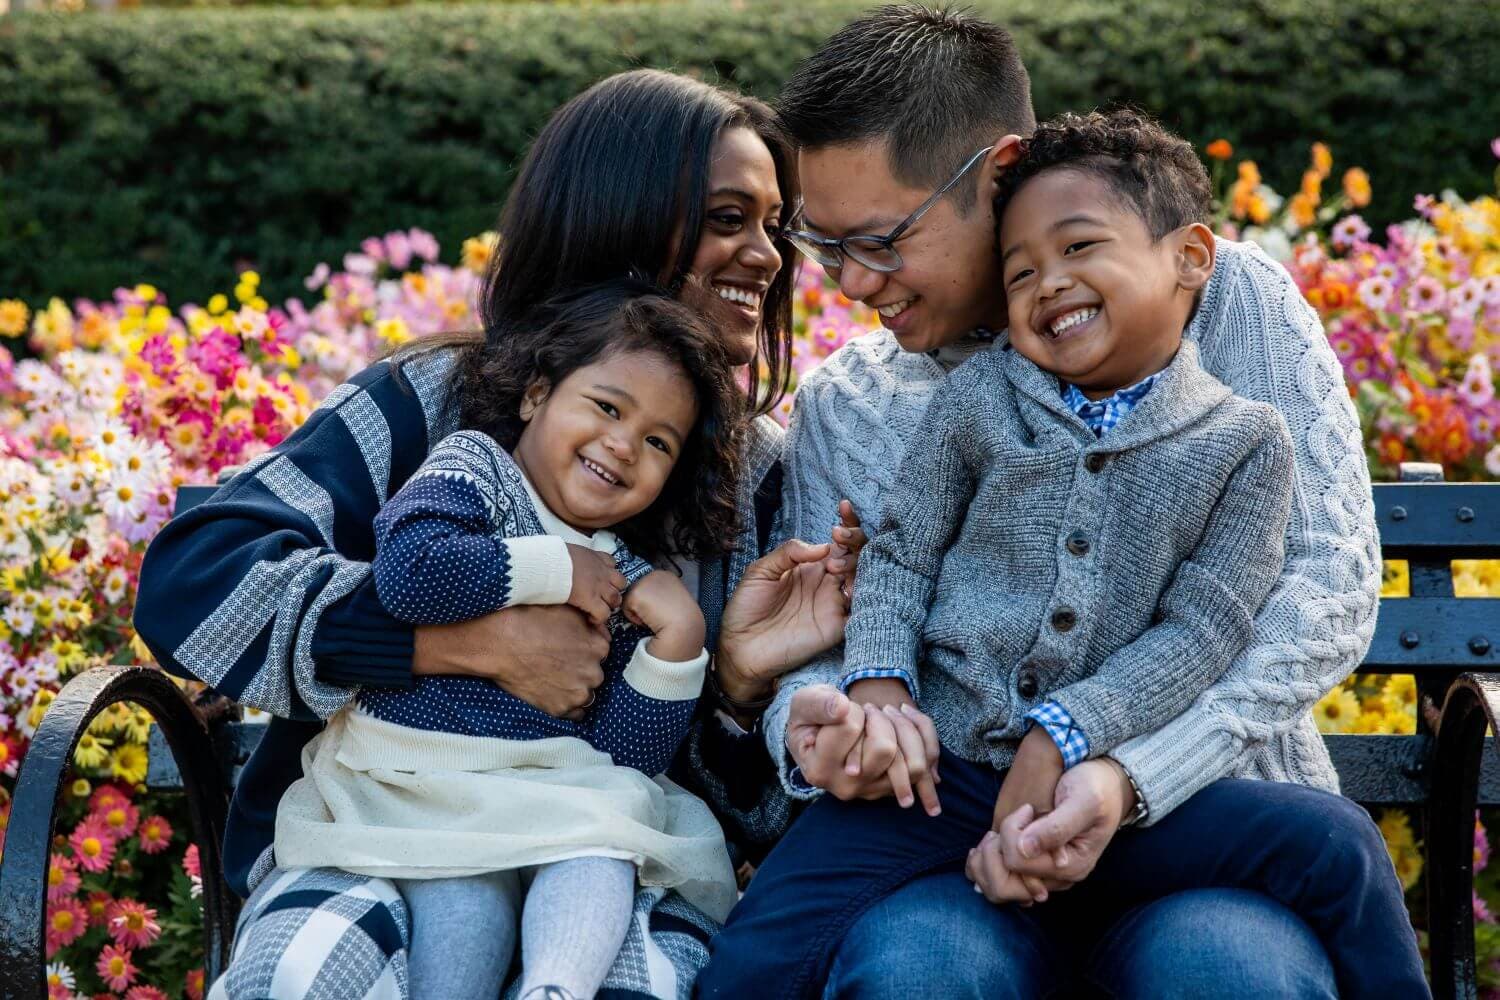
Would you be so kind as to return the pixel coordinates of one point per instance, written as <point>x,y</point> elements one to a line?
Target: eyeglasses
<point>878,253</point>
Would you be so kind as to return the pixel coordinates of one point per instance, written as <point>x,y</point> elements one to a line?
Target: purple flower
<point>157,352</point>
<point>1425,295</point>
<point>1351,229</point>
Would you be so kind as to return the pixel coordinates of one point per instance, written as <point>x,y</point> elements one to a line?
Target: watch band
<point>1139,812</point>
<point>734,704</point>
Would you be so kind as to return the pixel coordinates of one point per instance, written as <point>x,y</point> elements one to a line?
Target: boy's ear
<point>534,396</point>
<point>1195,256</point>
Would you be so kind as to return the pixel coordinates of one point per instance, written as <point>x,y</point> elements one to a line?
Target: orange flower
<point>1392,450</point>
<point>1303,209</point>
<point>1322,159</point>
<point>1219,149</point>
<point>1335,295</point>
<point>1249,173</point>
<point>1312,185</point>
<point>1357,187</point>
<point>1260,212</point>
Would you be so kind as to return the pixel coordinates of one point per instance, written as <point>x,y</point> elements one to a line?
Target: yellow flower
<point>1303,209</point>
<point>139,648</point>
<point>1322,159</point>
<point>1357,187</point>
<point>1395,827</point>
<point>139,726</point>
<point>1395,578</point>
<point>146,293</point>
<point>1370,722</point>
<point>39,704</point>
<point>1258,210</point>
<point>1337,711</point>
<point>91,750</point>
<point>13,317</point>
<point>81,788</point>
<point>128,763</point>
<point>1312,185</point>
<point>393,332</point>
<point>1399,694</point>
<point>218,304</point>
<point>477,251</point>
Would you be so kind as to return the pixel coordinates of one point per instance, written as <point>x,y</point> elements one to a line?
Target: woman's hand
<point>662,604</point>
<point>549,656</point>
<point>1062,847</point>
<point>847,541</point>
<point>786,610</point>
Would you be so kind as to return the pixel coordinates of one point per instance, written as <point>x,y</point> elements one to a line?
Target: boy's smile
<point>1093,299</point>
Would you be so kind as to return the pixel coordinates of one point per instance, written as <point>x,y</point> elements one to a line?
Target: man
<point>890,116</point>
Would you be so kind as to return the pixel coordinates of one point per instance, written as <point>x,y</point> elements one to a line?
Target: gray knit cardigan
<point>1256,334</point>
<point>1020,559</point>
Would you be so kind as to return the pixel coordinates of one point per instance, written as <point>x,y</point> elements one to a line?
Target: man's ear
<point>534,396</point>
<point>1006,152</point>
<point>1195,256</point>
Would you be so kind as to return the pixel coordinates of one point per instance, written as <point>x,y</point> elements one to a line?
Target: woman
<point>264,591</point>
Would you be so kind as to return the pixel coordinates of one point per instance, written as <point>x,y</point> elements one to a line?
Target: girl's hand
<point>847,541</point>
<point>986,868</point>
<point>787,609</point>
<point>597,584</point>
<point>662,604</point>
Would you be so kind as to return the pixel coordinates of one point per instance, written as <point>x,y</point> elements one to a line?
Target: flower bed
<point>128,398</point>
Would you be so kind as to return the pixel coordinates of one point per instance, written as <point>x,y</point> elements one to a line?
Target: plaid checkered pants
<point>324,934</point>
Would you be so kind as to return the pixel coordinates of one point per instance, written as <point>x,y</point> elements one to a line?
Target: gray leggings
<point>463,930</point>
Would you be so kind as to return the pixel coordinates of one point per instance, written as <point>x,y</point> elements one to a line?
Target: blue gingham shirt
<point>1101,416</point>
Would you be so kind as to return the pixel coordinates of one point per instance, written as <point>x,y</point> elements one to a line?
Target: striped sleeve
<point>264,591</point>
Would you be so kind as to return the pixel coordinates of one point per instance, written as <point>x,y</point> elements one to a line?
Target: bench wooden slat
<point>1456,633</point>
<point>1437,520</point>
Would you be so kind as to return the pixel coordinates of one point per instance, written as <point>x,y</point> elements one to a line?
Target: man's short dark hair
<point>1156,174</point>
<point>936,84</point>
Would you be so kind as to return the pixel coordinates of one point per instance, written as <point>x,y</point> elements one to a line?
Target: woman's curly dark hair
<point>1155,172</point>
<point>695,516</point>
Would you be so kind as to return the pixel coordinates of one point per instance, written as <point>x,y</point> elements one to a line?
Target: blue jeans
<point>1318,855</point>
<point>937,937</point>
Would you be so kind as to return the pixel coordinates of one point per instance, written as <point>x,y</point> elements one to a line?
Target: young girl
<point>605,438</point>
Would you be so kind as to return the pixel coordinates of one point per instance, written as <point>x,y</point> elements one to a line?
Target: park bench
<point>1441,772</point>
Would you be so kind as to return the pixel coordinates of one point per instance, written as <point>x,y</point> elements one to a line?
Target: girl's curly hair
<point>1157,174</point>
<point>695,516</point>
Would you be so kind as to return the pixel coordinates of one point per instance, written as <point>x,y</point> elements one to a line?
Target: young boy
<point>1076,544</point>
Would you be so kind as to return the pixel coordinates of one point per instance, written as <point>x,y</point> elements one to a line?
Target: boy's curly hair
<point>695,516</point>
<point>1155,172</point>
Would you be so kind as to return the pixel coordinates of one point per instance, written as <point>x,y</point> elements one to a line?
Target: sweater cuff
<point>541,570</point>
<point>357,643</point>
<point>665,680</point>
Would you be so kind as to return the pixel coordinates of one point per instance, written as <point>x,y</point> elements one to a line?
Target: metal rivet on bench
<point>1410,639</point>
<point>1479,645</point>
<point>1398,513</point>
<point>1466,514</point>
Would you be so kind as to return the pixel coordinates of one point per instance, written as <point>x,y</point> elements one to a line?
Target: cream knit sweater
<point>1255,332</point>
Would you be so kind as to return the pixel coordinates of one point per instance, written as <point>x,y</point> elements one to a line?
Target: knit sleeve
<point>645,710</point>
<point>1205,616</point>
<point>446,545</point>
<point>240,591</point>
<point>1267,344</point>
<point>920,516</point>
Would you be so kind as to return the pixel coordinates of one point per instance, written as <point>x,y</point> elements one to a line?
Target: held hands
<point>662,604</point>
<point>1031,782</point>
<point>597,584</point>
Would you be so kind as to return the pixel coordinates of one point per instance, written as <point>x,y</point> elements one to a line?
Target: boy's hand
<point>662,604</point>
<point>846,542</point>
<point>899,741</point>
<point>1031,781</point>
<point>597,584</point>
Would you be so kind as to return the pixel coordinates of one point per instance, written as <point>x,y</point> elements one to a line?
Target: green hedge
<point>171,147</point>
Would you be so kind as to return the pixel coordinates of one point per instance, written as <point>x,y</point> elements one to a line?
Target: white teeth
<point>601,472</point>
<point>895,308</point>
<point>1069,320</point>
<point>740,296</point>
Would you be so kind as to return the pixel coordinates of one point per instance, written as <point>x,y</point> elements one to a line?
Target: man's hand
<point>662,604</point>
<point>986,868</point>
<point>1062,847</point>
<point>846,543</point>
<point>597,584</point>
<point>548,656</point>
<point>786,610</point>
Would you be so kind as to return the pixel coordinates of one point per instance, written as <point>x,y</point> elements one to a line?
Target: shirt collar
<point>599,541</point>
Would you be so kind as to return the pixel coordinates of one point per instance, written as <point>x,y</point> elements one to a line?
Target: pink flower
<point>121,819</point>
<point>190,862</point>
<point>133,924</point>
<point>193,985</point>
<point>93,845</point>
<point>1425,295</point>
<point>423,244</point>
<point>156,834</point>
<point>1478,387</point>
<point>398,250</point>
<point>1495,147</point>
<point>116,968</point>
<point>373,248</point>
<point>1375,293</point>
<point>62,878</point>
<point>1481,845</point>
<point>1481,909</point>
<point>1351,229</point>
<point>98,905</point>
<point>157,352</point>
<point>145,993</point>
<point>66,922</point>
<point>317,279</point>
<point>1461,332</point>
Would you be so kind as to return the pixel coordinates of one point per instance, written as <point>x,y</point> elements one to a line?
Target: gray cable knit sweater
<point>1020,559</point>
<point>1256,334</point>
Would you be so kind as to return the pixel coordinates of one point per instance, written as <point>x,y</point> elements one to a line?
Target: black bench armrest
<point>28,841</point>
<point>1470,708</point>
